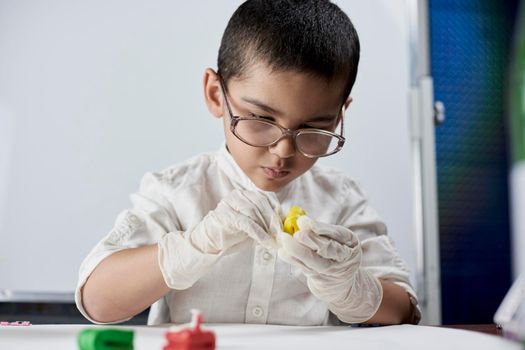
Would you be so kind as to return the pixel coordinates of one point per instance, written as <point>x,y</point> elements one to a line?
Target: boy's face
<point>291,99</point>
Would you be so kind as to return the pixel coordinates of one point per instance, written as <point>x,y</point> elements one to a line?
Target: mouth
<point>275,173</point>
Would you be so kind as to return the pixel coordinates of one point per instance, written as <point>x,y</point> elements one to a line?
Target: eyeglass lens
<point>261,133</point>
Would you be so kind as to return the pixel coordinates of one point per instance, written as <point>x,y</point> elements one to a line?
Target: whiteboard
<point>94,94</point>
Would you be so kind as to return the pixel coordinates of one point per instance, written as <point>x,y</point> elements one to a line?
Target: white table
<point>269,337</point>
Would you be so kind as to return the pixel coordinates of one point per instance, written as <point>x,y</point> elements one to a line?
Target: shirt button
<point>267,256</point>
<point>257,311</point>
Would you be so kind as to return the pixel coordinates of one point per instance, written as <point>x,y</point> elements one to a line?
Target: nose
<point>284,148</point>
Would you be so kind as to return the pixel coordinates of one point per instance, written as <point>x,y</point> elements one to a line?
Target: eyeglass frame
<point>234,120</point>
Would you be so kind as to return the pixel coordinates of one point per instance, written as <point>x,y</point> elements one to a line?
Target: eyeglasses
<point>259,132</point>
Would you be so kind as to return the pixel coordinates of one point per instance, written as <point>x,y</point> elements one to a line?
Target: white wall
<point>94,94</point>
<point>517,185</point>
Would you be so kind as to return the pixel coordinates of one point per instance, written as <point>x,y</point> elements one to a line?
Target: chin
<point>269,186</point>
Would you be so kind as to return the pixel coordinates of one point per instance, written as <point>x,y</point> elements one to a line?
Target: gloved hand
<point>330,258</point>
<point>184,257</point>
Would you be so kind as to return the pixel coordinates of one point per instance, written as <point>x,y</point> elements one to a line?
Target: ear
<point>348,101</point>
<point>213,93</point>
<point>345,107</point>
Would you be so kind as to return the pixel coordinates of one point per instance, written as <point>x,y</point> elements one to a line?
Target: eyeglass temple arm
<point>342,119</point>
<point>223,88</point>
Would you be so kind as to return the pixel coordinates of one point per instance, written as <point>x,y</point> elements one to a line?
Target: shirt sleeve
<point>380,256</point>
<point>150,217</point>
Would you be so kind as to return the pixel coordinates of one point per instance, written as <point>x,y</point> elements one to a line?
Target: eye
<point>261,117</point>
<point>315,126</point>
<point>303,126</point>
<point>325,124</point>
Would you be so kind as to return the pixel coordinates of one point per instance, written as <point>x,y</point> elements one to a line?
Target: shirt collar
<point>233,171</point>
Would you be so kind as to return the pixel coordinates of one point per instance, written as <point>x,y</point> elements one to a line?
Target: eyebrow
<point>270,110</point>
<point>261,105</point>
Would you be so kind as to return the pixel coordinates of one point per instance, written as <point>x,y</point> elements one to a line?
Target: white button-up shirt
<point>249,284</point>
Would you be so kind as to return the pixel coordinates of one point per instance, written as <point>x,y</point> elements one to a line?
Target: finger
<point>266,198</point>
<point>320,238</point>
<point>267,209</point>
<point>256,206</point>
<point>246,201</point>
<point>304,222</point>
<point>216,232</point>
<point>284,256</point>
<point>255,232</point>
<point>324,246</point>
<point>338,233</point>
<point>312,261</point>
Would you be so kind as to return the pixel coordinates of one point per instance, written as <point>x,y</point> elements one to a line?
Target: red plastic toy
<point>191,338</point>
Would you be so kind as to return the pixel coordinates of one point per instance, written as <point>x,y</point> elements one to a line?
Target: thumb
<point>305,223</point>
<point>256,232</point>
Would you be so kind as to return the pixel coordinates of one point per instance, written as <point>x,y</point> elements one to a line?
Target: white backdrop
<point>94,94</point>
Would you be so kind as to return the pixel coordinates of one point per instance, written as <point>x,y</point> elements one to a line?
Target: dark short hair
<point>312,36</point>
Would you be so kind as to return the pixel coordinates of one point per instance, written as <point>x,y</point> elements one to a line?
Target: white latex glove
<point>184,257</point>
<point>330,258</point>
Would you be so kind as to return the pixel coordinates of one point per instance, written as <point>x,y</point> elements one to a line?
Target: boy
<point>207,234</point>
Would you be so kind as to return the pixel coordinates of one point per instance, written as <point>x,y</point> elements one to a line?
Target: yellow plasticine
<point>290,222</point>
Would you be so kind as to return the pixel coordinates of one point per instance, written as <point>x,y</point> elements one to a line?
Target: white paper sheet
<point>235,336</point>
